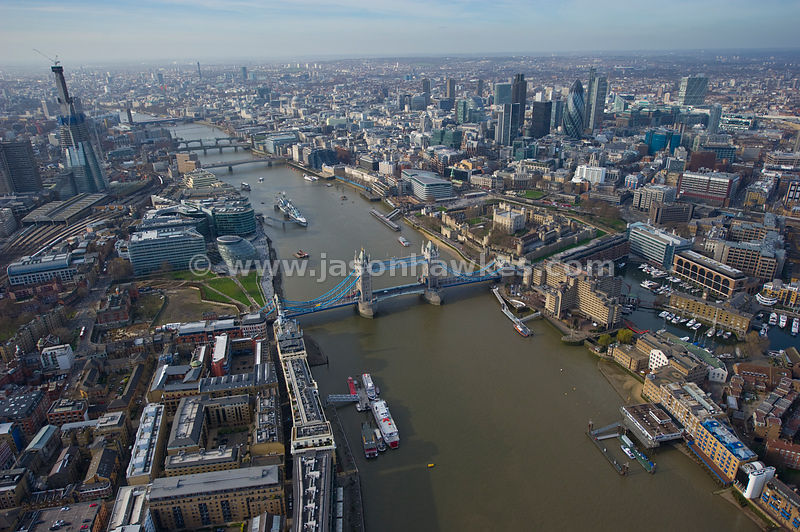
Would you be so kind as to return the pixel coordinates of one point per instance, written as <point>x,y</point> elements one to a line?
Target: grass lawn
<point>210,295</point>
<point>184,304</point>
<point>616,223</point>
<point>188,276</point>
<point>582,242</point>
<point>229,288</point>
<point>534,194</point>
<point>147,306</point>
<point>251,283</point>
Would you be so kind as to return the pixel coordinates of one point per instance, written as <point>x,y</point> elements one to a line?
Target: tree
<point>604,340</point>
<point>625,336</point>
<point>120,268</point>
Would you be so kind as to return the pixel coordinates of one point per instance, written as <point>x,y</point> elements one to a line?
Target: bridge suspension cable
<point>326,294</point>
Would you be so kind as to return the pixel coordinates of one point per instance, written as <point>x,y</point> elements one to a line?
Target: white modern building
<point>592,174</point>
<point>59,357</point>
<point>427,186</point>
<point>150,250</point>
<point>144,463</point>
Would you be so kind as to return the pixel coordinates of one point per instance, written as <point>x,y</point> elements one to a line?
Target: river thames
<point>502,417</point>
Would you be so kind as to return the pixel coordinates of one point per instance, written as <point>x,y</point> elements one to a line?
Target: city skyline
<point>178,30</point>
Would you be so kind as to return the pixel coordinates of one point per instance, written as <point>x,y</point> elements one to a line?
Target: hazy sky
<point>131,30</point>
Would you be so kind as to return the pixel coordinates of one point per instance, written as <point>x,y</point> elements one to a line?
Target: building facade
<point>151,250</point>
<point>216,498</point>
<point>654,245</point>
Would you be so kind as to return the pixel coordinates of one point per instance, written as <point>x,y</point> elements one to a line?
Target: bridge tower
<point>432,270</point>
<point>366,302</point>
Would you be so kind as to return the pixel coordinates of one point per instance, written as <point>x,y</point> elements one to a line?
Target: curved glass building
<point>235,249</point>
<point>576,109</point>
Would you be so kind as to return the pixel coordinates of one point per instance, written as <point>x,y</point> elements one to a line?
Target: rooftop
<point>710,263</point>
<point>78,514</point>
<point>215,481</point>
<point>725,436</point>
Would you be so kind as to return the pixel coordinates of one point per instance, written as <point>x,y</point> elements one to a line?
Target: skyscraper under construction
<point>81,158</point>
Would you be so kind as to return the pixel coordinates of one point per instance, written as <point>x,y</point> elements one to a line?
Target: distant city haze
<point>148,30</point>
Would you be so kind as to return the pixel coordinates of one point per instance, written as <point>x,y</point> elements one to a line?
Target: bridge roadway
<point>356,288</point>
<point>230,164</point>
<point>385,293</point>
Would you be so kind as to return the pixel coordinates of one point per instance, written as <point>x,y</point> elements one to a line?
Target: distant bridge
<point>356,289</point>
<point>270,161</point>
<point>182,120</point>
<point>219,143</point>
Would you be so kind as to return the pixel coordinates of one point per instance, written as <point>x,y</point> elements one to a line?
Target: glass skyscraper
<point>596,101</point>
<point>714,116</point>
<point>540,119</point>
<point>81,158</point>
<point>18,169</point>
<point>502,93</point>
<point>519,95</point>
<point>575,112</point>
<point>692,90</point>
<point>502,133</point>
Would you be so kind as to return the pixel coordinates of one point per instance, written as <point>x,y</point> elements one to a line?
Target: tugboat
<point>300,254</point>
<point>379,439</point>
<point>404,241</point>
<point>370,443</point>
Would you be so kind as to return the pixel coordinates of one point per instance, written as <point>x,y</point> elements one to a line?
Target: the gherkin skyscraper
<point>575,112</point>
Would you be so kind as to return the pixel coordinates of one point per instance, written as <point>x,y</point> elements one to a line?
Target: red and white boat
<point>385,423</point>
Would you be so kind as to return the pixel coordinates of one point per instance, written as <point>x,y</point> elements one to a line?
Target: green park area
<point>228,287</point>
<point>252,284</point>
<point>534,194</point>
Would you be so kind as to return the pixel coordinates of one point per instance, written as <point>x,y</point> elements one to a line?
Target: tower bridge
<point>356,289</point>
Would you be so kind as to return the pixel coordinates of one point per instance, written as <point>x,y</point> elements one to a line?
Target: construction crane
<point>54,61</point>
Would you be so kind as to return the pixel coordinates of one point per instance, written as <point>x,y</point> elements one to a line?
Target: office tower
<point>519,94</point>
<point>587,97</point>
<point>557,116</point>
<point>244,73</point>
<point>576,110</point>
<point>450,89</point>
<point>199,75</point>
<point>80,155</point>
<point>426,85</point>
<point>692,90</point>
<point>462,111</point>
<point>502,93</point>
<point>502,133</point>
<point>479,89</point>
<point>542,113</point>
<point>160,77</point>
<point>714,116</point>
<point>596,101</point>
<point>18,169</point>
